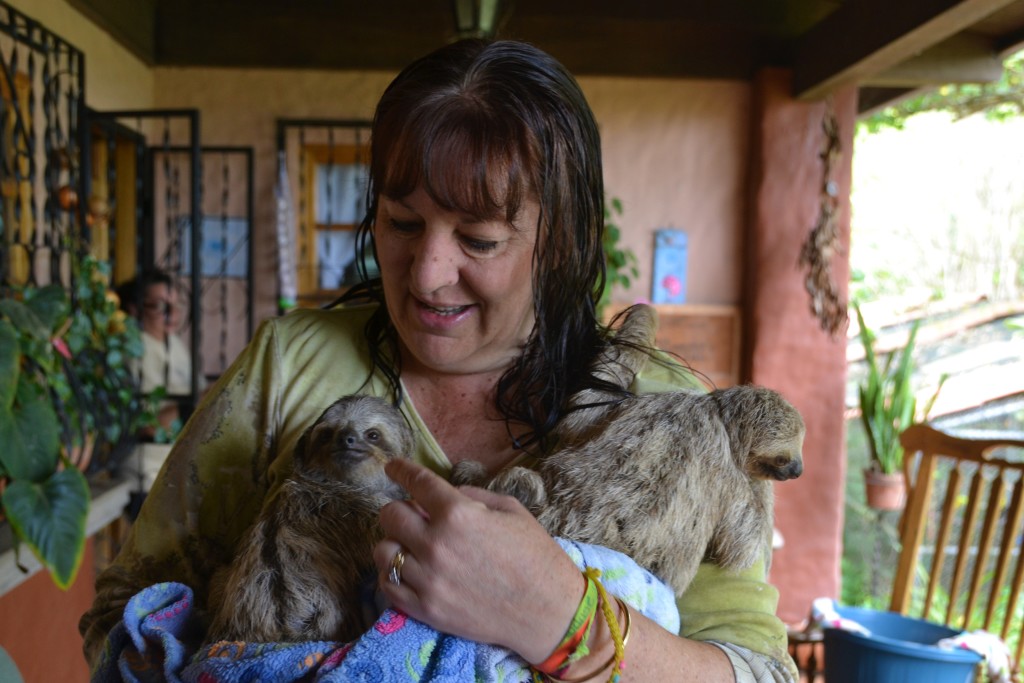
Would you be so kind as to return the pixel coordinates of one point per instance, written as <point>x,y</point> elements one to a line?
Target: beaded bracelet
<point>619,638</point>
<point>573,645</point>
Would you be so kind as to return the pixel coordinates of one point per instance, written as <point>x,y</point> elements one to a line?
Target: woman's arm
<point>478,565</point>
<point>654,654</point>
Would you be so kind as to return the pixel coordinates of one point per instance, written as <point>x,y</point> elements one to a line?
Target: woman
<point>485,214</point>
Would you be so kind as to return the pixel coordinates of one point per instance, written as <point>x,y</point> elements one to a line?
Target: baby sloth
<point>669,479</point>
<point>300,568</point>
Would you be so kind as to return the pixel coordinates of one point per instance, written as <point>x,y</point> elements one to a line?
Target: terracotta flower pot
<point>885,491</point>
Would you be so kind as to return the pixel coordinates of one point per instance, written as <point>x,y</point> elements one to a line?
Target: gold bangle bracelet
<point>611,660</point>
<point>629,621</point>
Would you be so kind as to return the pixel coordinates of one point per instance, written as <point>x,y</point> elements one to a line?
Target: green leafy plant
<point>46,499</point>
<point>64,385</point>
<point>621,265</point>
<point>100,392</point>
<point>888,404</point>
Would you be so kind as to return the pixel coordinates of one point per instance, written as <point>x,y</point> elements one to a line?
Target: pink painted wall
<point>39,625</point>
<point>675,154</point>
<point>785,347</point>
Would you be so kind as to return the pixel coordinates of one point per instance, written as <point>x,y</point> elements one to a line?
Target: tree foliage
<point>997,101</point>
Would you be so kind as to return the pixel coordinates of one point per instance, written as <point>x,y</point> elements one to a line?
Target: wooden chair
<point>960,563</point>
<point>806,647</point>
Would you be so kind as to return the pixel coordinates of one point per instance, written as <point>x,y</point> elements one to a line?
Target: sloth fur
<point>300,568</point>
<point>670,479</point>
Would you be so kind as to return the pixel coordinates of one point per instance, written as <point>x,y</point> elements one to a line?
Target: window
<point>333,196</point>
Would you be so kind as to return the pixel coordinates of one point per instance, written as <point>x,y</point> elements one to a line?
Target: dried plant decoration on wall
<point>823,242</point>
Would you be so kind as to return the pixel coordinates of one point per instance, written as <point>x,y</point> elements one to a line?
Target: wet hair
<point>482,127</point>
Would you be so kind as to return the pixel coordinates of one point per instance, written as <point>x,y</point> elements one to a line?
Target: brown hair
<point>482,127</point>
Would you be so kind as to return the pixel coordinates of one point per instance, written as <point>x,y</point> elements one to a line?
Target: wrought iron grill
<point>165,196</point>
<point>41,101</point>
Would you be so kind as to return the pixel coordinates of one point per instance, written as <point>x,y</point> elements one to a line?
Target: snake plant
<point>888,404</point>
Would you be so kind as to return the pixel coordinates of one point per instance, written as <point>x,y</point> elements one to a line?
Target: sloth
<point>301,566</point>
<point>670,479</point>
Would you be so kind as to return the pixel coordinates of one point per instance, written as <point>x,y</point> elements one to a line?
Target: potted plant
<point>888,405</point>
<point>62,378</point>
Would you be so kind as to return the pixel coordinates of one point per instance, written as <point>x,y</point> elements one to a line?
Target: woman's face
<point>459,289</point>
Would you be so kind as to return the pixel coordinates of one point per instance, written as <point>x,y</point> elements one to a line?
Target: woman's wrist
<point>554,598</point>
<point>604,649</point>
<point>573,645</point>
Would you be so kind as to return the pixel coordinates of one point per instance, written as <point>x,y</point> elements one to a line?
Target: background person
<point>152,299</point>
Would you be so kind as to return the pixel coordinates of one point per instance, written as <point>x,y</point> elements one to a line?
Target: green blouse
<point>236,450</point>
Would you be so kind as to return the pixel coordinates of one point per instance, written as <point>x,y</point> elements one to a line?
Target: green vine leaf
<point>50,518</point>
<point>30,436</point>
<point>25,319</point>
<point>50,304</point>
<point>620,263</point>
<point>10,365</point>
<point>63,377</point>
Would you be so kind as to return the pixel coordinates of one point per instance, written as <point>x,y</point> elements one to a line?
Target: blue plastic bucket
<point>899,650</point>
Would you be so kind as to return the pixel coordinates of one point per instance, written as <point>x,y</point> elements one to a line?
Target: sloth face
<point>352,441</point>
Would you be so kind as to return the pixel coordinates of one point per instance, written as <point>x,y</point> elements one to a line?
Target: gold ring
<point>395,573</point>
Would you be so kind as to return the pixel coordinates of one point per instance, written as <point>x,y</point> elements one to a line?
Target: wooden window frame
<point>313,156</point>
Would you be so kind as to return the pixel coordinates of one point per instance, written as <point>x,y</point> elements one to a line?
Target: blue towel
<point>158,640</point>
<point>154,639</point>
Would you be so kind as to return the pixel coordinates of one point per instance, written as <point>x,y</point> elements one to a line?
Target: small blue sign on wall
<point>669,280</point>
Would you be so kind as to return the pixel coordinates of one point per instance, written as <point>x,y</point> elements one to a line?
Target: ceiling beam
<point>315,34</point>
<point>963,58</point>
<point>864,38</point>
<point>871,99</point>
<point>598,46</point>
<point>1011,43</point>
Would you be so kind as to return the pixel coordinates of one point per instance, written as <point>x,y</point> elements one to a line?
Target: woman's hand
<point>477,565</point>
